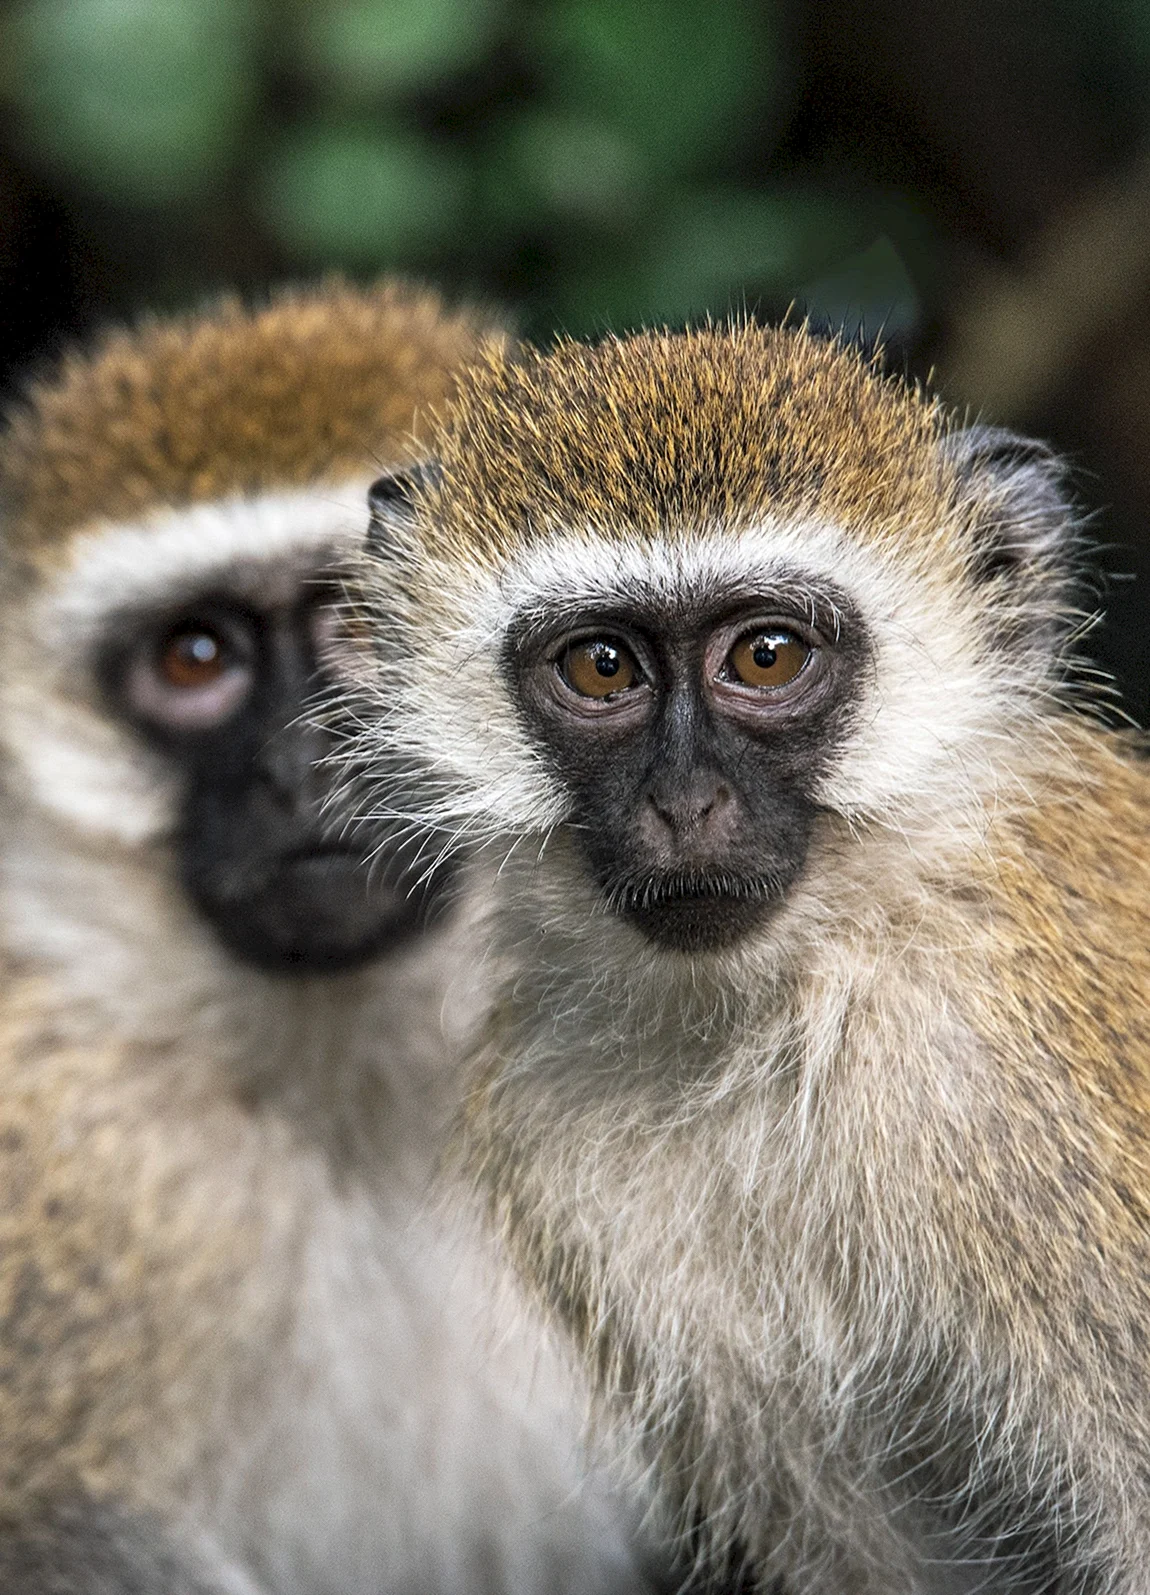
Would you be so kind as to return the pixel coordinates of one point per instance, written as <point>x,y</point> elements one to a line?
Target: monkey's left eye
<point>599,667</point>
<point>193,675</point>
<point>193,658</point>
<point>771,658</point>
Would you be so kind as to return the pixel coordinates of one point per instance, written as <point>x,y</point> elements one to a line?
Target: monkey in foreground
<point>816,1096</point>
<point>240,1350</point>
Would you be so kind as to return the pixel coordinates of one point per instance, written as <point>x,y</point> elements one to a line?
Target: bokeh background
<point>968,181</point>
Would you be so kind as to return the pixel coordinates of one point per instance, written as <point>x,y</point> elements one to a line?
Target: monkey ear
<point>1025,521</point>
<point>391,500</point>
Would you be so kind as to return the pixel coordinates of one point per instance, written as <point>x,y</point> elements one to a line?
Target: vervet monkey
<point>241,1350</point>
<point>816,1098</point>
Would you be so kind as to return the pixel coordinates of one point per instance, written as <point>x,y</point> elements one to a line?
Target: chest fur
<point>410,1431</point>
<point>760,1239</point>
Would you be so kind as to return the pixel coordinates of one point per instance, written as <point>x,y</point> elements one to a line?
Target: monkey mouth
<point>318,907</point>
<point>696,913</point>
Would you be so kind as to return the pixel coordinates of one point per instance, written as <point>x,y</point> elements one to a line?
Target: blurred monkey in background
<point>241,1350</point>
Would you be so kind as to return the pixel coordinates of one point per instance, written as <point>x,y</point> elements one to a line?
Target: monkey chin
<point>697,917</point>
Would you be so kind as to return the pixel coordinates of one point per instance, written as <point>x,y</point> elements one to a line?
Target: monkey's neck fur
<point>358,1056</point>
<point>252,1315</point>
<point>839,1212</point>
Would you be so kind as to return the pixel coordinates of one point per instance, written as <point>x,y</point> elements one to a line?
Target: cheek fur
<point>927,733</point>
<point>446,714</point>
<point>87,772</point>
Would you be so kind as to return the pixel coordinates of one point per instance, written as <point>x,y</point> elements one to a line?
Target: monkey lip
<point>656,891</point>
<point>322,853</point>
<point>697,913</point>
<point>318,907</point>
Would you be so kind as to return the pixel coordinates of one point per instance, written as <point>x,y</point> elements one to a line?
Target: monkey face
<point>222,684</point>
<point>709,606</point>
<point>162,701</point>
<point>691,738</point>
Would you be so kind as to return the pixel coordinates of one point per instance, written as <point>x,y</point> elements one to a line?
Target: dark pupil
<point>606,660</point>
<point>764,655</point>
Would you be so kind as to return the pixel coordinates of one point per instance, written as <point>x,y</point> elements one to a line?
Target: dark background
<point>971,181</point>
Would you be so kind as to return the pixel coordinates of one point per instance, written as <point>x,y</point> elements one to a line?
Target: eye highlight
<point>771,657</point>
<point>599,667</point>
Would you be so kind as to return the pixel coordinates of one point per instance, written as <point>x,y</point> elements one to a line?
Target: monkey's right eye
<point>599,667</point>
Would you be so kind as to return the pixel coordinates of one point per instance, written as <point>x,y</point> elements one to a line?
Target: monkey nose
<point>697,812</point>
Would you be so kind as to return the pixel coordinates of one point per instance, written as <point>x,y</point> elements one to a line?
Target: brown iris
<point>192,658</point>
<point>768,658</point>
<point>599,667</point>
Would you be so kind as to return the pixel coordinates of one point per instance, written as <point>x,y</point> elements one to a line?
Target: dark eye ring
<point>192,676</point>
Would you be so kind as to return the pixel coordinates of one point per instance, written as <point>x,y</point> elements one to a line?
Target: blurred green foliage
<point>363,193</point>
<point>679,79</point>
<point>141,100</point>
<point>600,162</point>
<point>361,50</point>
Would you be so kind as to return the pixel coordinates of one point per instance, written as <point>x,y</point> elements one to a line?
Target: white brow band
<point>582,571</point>
<point>125,564</point>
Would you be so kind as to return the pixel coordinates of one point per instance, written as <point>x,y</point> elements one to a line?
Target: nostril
<point>661,809</point>
<point>718,801</point>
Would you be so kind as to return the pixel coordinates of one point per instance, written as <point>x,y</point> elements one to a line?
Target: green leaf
<point>364,48</point>
<point>363,196</point>
<point>547,166</point>
<point>679,78</point>
<point>142,101</point>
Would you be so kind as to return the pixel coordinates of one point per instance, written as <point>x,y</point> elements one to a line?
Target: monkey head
<point>175,505</point>
<point>691,611</point>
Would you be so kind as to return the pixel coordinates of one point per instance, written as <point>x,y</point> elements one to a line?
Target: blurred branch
<point>1023,332</point>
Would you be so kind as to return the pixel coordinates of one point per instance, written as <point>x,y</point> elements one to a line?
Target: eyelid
<point>605,630</point>
<point>727,634</point>
<point>620,635</point>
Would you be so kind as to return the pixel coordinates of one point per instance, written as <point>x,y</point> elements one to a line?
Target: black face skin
<point>221,684</point>
<point>691,739</point>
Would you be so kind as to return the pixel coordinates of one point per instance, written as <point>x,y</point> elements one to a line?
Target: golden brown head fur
<point>234,400</point>
<point>664,431</point>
